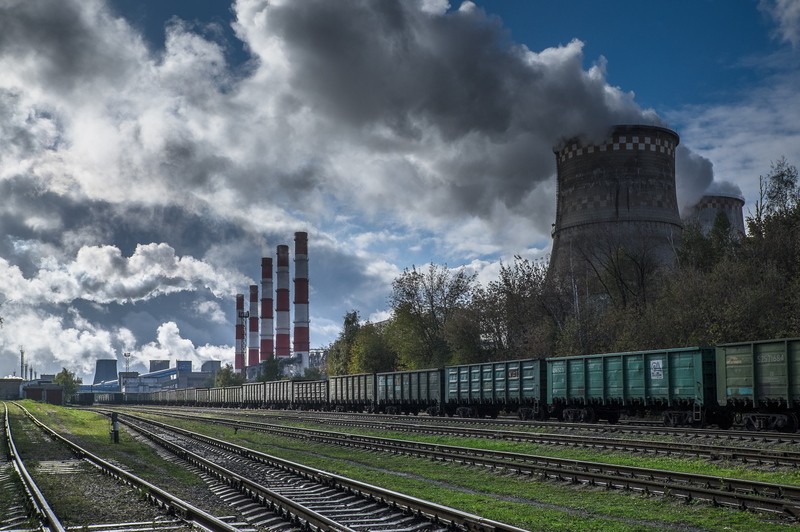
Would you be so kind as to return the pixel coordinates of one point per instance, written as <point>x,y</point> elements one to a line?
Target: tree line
<point>723,287</point>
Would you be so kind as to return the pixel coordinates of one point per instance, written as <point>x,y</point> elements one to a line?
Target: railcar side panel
<point>409,391</point>
<point>352,392</point>
<point>310,395</point>
<point>760,382</point>
<point>487,388</point>
<point>278,394</point>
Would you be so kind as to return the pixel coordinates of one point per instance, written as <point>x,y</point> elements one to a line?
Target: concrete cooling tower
<point>619,193</point>
<point>712,205</point>
<point>105,370</point>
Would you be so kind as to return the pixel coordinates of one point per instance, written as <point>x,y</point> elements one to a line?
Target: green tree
<point>340,351</point>
<point>270,370</point>
<point>426,301</point>
<point>69,381</point>
<point>371,351</point>
<point>228,377</point>
<point>313,374</point>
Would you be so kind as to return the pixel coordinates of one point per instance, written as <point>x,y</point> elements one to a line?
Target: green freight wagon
<point>477,390</point>
<point>677,384</point>
<point>760,382</point>
<point>409,392</point>
<point>352,393</point>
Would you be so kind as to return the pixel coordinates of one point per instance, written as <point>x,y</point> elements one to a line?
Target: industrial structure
<point>616,194</point>
<point>161,376</point>
<point>710,206</point>
<point>270,335</point>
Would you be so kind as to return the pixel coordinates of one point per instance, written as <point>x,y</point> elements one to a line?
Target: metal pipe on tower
<point>239,347</point>
<point>267,339</point>
<point>282,304</point>
<point>252,341</point>
<point>301,321</point>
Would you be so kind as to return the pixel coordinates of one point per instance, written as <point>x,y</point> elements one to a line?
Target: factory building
<point>616,194</point>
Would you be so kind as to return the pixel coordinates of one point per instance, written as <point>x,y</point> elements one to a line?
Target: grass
<point>522,501</point>
<point>91,431</point>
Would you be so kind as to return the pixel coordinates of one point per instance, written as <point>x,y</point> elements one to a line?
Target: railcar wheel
<point>613,418</point>
<point>791,423</point>
<point>724,421</point>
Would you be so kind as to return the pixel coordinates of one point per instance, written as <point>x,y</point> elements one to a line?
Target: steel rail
<point>433,511</point>
<point>251,489</point>
<point>41,507</point>
<point>623,427</point>
<point>776,498</point>
<point>714,452</point>
<point>163,499</point>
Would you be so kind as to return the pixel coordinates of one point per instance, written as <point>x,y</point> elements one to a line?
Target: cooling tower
<point>619,193</point>
<point>710,206</point>
<point>105,370</point>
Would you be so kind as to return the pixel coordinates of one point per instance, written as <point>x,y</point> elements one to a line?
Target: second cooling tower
<point>616,193</point>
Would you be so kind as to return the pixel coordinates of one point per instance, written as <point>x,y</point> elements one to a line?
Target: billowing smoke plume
<point>354,116</point>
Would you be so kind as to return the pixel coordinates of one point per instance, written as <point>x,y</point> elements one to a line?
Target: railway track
<point>625,427</point>
<point>98,479</point>
<point>726,451</point>
<point>743,494</point>
<point>306,496</point>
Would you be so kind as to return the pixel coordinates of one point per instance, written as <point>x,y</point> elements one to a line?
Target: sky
<point>152,152</point>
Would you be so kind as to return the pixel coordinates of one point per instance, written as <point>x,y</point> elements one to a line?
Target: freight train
<point>751,384</point>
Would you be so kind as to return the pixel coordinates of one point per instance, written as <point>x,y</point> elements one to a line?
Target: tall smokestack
<point>252,341</point>
<point>282,304</point>
<point>301,343</point>
<point>238,350</point>
<point>267,346</point>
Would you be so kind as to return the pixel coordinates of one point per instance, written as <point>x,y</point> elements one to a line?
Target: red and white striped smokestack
<point>282,304</point>
<point>267,347</point>
<point>239,346</point>
<point>301,343</point>
<point>252,341</point>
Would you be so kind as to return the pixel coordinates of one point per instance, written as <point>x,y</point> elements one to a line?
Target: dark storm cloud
<point>62,42</point>
<point>449,89</point>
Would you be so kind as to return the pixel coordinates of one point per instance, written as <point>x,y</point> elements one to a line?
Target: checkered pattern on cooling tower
<point>620,142</point>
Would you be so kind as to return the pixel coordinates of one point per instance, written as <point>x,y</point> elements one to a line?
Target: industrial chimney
<point>282,304</point>
<point>252,340</point>
<point>301,343</point>
<point>239,348</point>
<point>267,347</point>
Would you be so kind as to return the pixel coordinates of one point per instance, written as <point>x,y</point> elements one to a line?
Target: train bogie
<point>486,389</point>
<point>409,392</point>
<point>760,382</point>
